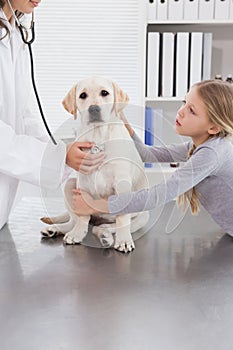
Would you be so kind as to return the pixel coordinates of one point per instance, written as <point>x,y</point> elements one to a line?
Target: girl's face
<point>24,6</point>
<point>192,119</point>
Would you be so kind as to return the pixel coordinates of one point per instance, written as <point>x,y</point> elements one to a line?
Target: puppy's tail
<point>65,217</point>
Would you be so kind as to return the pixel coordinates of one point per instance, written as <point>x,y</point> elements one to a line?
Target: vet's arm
<point>84,162</point>
<point>85,204</point>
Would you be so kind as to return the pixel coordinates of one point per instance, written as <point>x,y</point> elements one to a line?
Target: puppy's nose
<point>94,109</point>
<point>94,114</point>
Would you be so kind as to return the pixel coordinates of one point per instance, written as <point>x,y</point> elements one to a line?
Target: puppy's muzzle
<point>94,114</point>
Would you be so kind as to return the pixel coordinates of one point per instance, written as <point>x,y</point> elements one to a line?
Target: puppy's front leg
<point>123,240</point>
<point>80,229</point>
<point>78,232</point>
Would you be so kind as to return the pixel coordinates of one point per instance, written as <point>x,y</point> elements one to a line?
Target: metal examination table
<point>173,292</point>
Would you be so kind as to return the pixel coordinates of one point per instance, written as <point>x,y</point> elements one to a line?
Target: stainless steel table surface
<point>173,292</point>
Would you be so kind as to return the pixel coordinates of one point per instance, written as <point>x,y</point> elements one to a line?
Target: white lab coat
<point>25,152</point>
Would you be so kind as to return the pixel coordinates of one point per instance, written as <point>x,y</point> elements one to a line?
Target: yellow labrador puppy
<point>98,102</point>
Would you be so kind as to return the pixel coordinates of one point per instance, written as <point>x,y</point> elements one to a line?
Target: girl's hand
<point>127,125</point>
<point>79,160</point>
<point>84,204</point>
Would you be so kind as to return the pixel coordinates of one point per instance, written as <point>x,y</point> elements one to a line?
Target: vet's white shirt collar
<point>11,27</point>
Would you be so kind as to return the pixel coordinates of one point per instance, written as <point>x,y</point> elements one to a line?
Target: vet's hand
<point>84,204</point>
<point>84,162</point>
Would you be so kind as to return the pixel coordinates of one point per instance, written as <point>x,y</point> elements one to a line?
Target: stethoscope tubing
<point>29,43</point>
<point>37,95</point>
<point>21,29</point>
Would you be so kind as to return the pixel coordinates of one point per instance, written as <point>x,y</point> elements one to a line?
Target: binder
<point>167,64</point>
<point>152,64</point>
<point>162,9</point>
<point>206,9</point>
<point>222,9</point>
<point>207,56</point>
<point>176,9</point>
<point>182,64</point>
<point>149,137</point>
<point>195,58</point>
<point>153,128</point>
<point>151,10</point>
<point>191,9</point>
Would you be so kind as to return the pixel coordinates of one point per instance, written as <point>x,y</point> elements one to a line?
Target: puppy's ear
<point>120,98</point>
<point>69,101</point>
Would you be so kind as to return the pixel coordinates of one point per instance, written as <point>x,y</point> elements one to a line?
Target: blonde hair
<point>218,99</point>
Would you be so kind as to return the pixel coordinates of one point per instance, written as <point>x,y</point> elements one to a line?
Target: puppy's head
<point>97,99</point>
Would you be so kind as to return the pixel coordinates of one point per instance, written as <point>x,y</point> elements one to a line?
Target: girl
<point>22,138</point>
<point>207,174</point>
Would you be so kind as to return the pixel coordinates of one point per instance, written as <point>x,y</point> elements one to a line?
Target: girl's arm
<point>153,154</point>
<point>163,154</point>
<point>203,163</point>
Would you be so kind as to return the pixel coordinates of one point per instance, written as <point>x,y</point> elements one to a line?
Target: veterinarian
<point>206,175</point>
<point>23,140</point>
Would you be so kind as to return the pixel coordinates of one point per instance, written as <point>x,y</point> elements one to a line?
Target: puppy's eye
<point>83,95</point>
<point>104,93</point>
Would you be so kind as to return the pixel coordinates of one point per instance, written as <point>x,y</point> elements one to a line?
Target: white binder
<point>176,9</point>
<point>191,9</point>
<point>207,55</point>
<point>151,10</point>
<point>182,63</point>
<point>222,9</point>
<point>162,10</point>
<point>167,64</point>
<point>196,58</point>
<point>206,9</point>
<point>153,64</point>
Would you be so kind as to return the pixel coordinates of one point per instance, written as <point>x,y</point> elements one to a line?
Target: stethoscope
<point>29,43</point>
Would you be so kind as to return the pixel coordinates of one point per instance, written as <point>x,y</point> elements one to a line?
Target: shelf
<point>221,63</point>
<point>158,173</point>
<point>66,138</point>
<point>164,99</point>
<point>202,22</point>
<point>161,168</point>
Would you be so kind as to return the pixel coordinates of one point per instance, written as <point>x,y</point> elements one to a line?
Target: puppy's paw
<point>124,245</point>
<point>50,232</point>
<point>106,239</point>
<point>74,237</point>
<point>104,235</point>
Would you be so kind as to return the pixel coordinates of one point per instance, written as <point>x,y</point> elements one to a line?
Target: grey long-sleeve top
<point>209,169</point>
